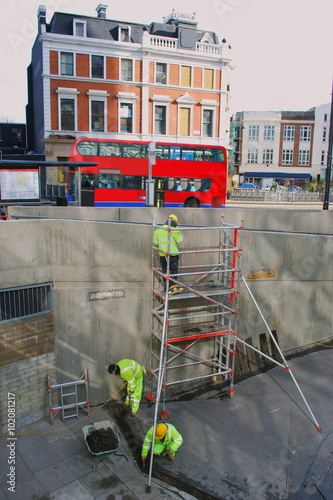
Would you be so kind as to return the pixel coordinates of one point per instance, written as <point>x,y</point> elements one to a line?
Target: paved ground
<point>262,444</point>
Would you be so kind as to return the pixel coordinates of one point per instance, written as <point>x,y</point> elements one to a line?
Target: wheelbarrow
<point>102,439</point>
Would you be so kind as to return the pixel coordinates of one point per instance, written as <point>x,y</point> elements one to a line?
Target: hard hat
<point>161,430</point>
<point>174,217</point>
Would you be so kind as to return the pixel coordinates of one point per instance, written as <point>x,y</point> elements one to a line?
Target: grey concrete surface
<point>262,444</point>
<point>53,462</point>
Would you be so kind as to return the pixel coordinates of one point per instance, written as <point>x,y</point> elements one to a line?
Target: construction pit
<point>258,425</point>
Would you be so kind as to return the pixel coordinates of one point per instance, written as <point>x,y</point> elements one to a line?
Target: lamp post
<point>329,159</point>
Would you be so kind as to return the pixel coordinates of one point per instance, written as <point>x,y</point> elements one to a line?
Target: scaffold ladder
<point>66,397</point>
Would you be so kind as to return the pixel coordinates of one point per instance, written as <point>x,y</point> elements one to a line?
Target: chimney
<point>101,10</point>
<point>41,16</point>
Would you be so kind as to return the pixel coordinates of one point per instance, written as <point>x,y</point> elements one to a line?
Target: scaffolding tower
<point>193,333</point>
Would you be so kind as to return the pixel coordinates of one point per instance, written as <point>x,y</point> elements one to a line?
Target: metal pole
<point>281,354</point>
<point>329,159</point>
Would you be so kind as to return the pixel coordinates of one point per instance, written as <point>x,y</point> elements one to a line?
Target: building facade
<point>287,147</point>
<point>92,76</point>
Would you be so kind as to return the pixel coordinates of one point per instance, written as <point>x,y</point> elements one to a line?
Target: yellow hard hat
<point>161,430</point>
<point>174,217</point>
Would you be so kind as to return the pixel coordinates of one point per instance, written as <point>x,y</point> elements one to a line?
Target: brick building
<point>92,76</point>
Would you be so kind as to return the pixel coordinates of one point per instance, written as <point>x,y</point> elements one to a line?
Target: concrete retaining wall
<point>290,276</point>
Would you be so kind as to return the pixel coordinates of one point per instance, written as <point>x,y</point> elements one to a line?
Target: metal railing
<point>275,197</point>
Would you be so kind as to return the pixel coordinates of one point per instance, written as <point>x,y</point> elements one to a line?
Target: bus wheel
<point>192,203</point>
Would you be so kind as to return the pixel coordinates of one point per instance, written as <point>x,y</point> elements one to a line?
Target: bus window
<point>206,185</point>
<point>135,150</point>
<point>114,181</point>
<point>109,149</point>
<point>87,148</point>
<point>162,152</point>
<point>174,153</point>
<point>87,181</point>
<point>103,181</point>
<point>133,182</point>
<point>190,186</point>
<point>192,154</point>
<point>212,154</point>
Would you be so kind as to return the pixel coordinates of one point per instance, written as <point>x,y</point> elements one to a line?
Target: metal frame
<point>205,312</point>
<point>73,393</point>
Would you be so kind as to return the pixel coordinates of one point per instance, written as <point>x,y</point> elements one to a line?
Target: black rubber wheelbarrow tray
<point>102,439</point>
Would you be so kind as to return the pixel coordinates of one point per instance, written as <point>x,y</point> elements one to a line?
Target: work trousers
<point>134,398</point>
<point>174,265</point>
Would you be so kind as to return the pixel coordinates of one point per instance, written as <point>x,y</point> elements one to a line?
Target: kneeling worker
<point>167,439</point>
<point>132,373</point>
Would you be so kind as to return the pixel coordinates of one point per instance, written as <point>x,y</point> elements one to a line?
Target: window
<point>16,134</point>
<point>192,154</point>
<point>124,34</point>
<point>269,133</point>
<point>23,302</point>
<point>325,117</point>
<point>67,105</point>
<point>161,73</point>
<point>66,63</point>
<point>305,133</point>
<point>97,116</point>
<point>303,157</point>
<point>252,156</point>
<point>324,134</point>
<point>126,117</point>
<point>267,156</point>
<point>253,132</point>
<point>185,121</point>
<point>87,148</point>
<point>160,119</point>
<point>97,66</point>
<point>67,114</point>
<point>79,28</point>
<point>207,122</point>
<point>135,150</point>
<point>186,76</point>
<point>208,79</point>
<point>287,157</point>
<point>288,132</point>
<point>127,70</point>
<point>323,155</point>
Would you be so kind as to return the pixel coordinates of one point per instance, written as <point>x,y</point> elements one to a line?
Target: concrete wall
<point>288,270</point>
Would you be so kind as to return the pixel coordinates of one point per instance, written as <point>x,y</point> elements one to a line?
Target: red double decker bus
<point>181,175</point>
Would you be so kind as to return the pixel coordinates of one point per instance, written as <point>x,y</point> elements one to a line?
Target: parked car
<point>247,185</point>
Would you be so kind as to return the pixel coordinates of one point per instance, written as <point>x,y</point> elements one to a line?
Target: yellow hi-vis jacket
<point>129,370</point>
<point>162,237</point>
<point>172,441</point>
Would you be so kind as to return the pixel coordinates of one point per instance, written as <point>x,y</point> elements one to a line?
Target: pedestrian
<point>132,373</point>
<point>166,244</point>
<point>167,441</point>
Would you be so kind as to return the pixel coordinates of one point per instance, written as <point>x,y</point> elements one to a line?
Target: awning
<point>277,175</point>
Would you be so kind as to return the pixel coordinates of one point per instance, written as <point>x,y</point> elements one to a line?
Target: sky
<point>281,49</point>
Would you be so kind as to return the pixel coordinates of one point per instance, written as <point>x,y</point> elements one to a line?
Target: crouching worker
<point>132,373</point>
<point>167,441</point>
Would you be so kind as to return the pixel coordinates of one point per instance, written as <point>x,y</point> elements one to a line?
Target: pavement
<point>261,444</point>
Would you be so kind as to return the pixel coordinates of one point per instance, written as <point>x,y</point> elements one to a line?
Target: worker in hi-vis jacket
<point>167,441</point>
<point>168,244</point>
<point>132,373</point>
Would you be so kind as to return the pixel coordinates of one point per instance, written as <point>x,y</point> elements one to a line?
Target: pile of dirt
<point>100,440</point>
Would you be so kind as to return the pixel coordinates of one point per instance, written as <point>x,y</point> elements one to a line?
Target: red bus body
<point>184,175</point>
